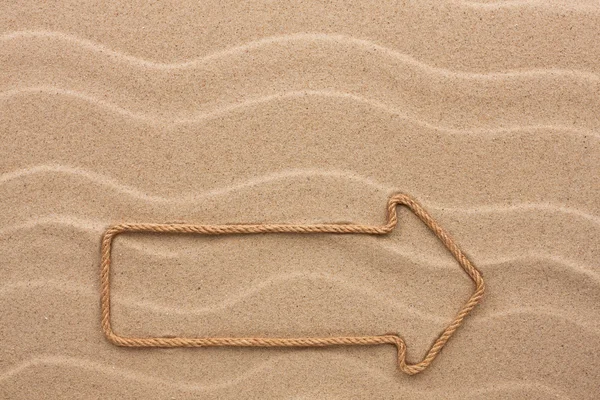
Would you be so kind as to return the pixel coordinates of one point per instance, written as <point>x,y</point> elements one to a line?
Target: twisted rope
<point>392,220</point>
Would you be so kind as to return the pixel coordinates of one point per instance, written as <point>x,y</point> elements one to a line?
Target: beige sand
<point>232,112</point>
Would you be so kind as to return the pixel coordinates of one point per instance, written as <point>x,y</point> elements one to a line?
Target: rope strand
<point>392,220</point>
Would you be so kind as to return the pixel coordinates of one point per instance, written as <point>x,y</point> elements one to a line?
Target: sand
<point>234,112</point>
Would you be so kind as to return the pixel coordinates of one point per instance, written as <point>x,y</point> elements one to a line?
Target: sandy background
<point>231,112</point>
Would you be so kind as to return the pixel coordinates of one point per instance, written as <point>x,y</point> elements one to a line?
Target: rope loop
<point>392,220</point>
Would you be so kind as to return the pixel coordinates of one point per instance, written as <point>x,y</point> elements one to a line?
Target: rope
<point>392,220</point>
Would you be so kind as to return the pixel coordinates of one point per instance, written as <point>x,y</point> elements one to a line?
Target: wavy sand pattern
<point>486,111</point>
